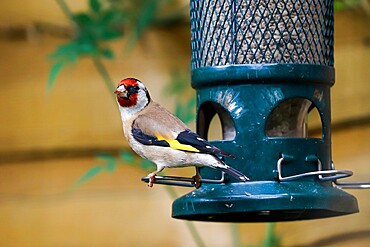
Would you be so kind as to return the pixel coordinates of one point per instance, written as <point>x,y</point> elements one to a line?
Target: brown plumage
<point>157,135</point>
<point>151,123</point>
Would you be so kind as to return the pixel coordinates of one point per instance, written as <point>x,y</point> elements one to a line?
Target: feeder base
<point>266,201</point>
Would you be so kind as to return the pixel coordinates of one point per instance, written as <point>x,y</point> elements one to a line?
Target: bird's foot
<point>197,179</point>
<point>151,179</point>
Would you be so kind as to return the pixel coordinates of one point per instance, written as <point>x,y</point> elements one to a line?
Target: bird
<point>157,135</point>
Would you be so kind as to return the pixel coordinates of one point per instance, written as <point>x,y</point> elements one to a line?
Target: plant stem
<point>171,192</point>
<point>108,83</point>
<point>235,235</point>
<point>97,62</point>
<point>194,233</point>
<point>270,239</point>
<point>104,74</point>
<point>190,225</point>
<point>64,7</point>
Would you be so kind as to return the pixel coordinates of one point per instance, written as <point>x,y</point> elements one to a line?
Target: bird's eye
<point>132,89</point>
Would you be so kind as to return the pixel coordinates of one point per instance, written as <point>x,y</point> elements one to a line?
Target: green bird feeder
<point>261,67</point>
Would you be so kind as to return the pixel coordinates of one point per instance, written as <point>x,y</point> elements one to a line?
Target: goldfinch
<point>157,135</point>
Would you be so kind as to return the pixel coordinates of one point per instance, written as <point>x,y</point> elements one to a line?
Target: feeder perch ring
<point>351,185</point>
<point>323,175</point>
<point>183,181</point>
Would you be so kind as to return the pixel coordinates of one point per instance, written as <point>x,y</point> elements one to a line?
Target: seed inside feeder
<point>253,31</point>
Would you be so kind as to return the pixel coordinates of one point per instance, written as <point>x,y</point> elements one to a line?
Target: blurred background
<point>67,177</point>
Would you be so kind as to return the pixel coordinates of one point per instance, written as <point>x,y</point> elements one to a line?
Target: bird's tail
<point>231,171</point>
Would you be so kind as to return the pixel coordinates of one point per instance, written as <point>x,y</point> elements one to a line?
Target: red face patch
<point>131,99</point>
<point>127,102</point>
<point>128,82</point>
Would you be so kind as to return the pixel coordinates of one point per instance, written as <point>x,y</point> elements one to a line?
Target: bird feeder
<point>262,67</point>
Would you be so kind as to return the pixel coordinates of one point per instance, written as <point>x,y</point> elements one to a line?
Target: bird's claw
<point>197,182</point>
<point>151,180</point>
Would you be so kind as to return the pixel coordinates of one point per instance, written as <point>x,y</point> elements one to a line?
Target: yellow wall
<point>116,209</point>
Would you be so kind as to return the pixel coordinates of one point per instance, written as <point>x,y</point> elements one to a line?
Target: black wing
<point>188,137</point>
<point>147,139</point>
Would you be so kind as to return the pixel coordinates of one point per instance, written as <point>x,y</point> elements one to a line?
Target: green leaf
<point>108,34</point>
<point>338,6</point>
<point>144,19</point>
<point>82,19</point>
<point>107,53</point>
<point>95,5</point>
<point>67,52</point>
<point>109,165</point>
<point>186,111</point>
<point>178,85</point>
<point>128,158</point>
<point>111,16</point>
<point>109,160</point>
<point>54,71</point>
<point>190,110</point>
<point>146,165</point>
<point>92,172</point>
<point>87,48</point>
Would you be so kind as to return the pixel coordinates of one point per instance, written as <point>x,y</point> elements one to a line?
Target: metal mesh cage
<point>227,32</point>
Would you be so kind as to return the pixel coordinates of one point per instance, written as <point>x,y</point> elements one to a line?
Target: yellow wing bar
<point>175,144</point>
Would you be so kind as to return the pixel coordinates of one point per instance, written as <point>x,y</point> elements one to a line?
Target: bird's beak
<point>121,92</point>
